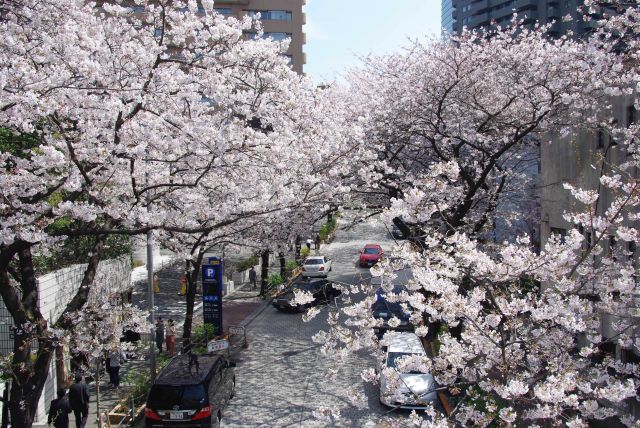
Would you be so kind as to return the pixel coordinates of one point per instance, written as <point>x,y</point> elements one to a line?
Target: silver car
<point>316,266</point>
<point>412,390</point>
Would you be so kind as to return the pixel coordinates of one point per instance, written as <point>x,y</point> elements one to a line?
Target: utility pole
<point>152,317</point>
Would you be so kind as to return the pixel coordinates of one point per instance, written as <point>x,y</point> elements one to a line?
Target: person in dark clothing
<point>252,277</point>
<point>159,333</point>
<point>317,242</point>
<point>79,400</point>
<point>59,411</point>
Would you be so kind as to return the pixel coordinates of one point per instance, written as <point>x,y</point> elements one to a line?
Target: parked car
<point>191,391</point>
<point>415,390</point>
<point>322,290</point>
<point>316,266</point>
<point>384,310</point>
<point>370,255</point>
<point>396,232</point>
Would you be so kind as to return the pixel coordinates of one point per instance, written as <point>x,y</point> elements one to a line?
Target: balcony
<point>478,6</point>
<point>241,2</point>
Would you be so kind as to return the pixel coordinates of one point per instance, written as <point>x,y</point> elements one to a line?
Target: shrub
<point>328,228</point>
<point>202,333</point>
<point>247,263</point>
<point>304,252</point>
<point>140,382</point>
<point>274,280</point>
<point>290,266</point>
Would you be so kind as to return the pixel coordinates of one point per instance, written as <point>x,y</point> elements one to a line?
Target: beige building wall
<point>240,8</point>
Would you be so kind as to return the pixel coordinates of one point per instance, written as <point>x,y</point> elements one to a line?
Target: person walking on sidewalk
<point>252,278</point>
<point>171,337</point>
<point>159,333</point>
<point>317,242</point>
<point>116,358</point>
<point>59,410</point>
<point>309,244</point>
<point>79,401</point>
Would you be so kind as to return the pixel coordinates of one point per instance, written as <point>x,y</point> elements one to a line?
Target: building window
<point>601,138</point>
<point>271,15</point>
<point>632,250</point>
<point>158,32</point>
<point>631,115</point>
<point>226,11</point>
<point>135,9</point>
<point>277,36</point>
<point>562,233</point>
<point>612,247</point>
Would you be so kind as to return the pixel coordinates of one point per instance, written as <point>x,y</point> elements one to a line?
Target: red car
<point>370,255</point>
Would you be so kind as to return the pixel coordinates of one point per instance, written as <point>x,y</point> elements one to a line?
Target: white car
<point>316,266</point>
<point>413,390</point>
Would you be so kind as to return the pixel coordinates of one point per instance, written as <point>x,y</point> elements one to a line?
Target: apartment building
<point>280,19</point>
<point>471,14</point>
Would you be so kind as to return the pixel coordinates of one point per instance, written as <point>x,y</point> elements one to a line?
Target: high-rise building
<point>280,19</point>
<point>472,14</point>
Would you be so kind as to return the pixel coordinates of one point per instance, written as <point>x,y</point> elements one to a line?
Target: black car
<point>385,310</point>
<point>191,391</point>
<point>322,290</point>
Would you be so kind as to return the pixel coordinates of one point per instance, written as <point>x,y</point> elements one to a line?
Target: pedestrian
<point>79,401</point>
<point>59,410</point>
<point>318,240</point>
<point>159,333</point>
<point>309,244</point>
<point>116,358</point>
<point>252,277</point>
<point>171,337</point>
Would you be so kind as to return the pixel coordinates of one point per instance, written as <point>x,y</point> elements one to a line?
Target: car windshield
<point>164,397</point>
<point>372,251</point>
<point>392,359</point>
<point>311,286</point>
<point>314,261</point>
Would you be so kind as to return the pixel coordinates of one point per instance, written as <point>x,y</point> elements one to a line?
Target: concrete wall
<point>56,290</point>
<point>572,160</point>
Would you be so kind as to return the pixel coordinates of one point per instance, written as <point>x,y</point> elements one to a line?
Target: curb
<point>253,315</point>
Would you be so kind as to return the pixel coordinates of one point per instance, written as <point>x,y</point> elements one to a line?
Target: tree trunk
<point>5,408</point>
<point>193,271</point>
<point>265,272</point>
<point>29,375</point>
<point>282,264</point>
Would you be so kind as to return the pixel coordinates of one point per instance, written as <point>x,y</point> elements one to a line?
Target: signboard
<point>217,345</point>
<point>236,330</point>
<point>212,293</point>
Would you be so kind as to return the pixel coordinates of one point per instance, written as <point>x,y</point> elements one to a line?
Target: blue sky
<point>338,31</point>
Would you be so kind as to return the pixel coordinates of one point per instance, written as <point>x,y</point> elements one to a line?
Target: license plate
<point>176,415</point>
<point>383,314</point>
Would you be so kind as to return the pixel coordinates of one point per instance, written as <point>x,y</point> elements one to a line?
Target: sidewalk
<point>239,309</point>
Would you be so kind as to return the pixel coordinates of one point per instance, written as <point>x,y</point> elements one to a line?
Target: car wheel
<point>215,421</point>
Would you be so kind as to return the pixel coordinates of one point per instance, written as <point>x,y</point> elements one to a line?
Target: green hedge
<point>247,263</point>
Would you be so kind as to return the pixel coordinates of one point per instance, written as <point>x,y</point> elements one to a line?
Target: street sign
<point>236,330</point>
<point>212,293</point>
<point>217,345</point>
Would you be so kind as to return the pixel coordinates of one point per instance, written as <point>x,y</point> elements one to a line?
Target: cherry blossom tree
<point>483,102</point>
<point>138,116</point>
<point>518,332</point>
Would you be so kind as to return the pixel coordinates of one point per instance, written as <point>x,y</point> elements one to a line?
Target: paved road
<point>283,377</point>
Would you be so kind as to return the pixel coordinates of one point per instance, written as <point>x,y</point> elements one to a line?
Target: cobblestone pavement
<point>282,378</point>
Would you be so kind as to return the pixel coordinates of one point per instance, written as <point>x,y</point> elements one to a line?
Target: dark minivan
<point>191,392</point>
